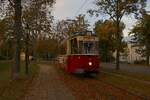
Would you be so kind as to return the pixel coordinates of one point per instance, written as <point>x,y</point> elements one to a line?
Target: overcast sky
<point>65,9</point>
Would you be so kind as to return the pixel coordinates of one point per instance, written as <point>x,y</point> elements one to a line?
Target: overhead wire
<point>84,3</point>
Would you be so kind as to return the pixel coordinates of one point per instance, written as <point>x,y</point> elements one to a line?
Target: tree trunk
<point>147,50</point>
<point>27,55</point>
<point>118,38</point>
<point>117,60</point>
<point>147,60</point>
<point>17,30</point>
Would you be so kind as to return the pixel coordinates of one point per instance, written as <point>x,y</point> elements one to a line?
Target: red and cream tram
<point>82,53</point>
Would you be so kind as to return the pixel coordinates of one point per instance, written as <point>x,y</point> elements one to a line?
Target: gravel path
<point>128,67</point>
<point>47,86</point>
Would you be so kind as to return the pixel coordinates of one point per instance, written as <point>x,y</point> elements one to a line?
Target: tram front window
<point>88,47</point>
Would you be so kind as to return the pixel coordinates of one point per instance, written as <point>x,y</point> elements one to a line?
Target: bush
<point>139,62</point>
<point>3,58</point>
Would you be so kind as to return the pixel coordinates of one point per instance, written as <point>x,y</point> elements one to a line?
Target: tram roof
<point>87,36</point>
<point>85,33</point>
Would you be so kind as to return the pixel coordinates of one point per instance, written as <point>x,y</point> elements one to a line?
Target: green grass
<point>4,65</point>
<point>15,89</point>
<point>5,70</point>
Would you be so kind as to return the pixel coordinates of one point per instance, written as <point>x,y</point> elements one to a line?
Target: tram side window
<point>74,46</point>
<point>81,47</point>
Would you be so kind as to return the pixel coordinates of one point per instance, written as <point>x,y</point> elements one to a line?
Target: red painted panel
<point>75,62</point>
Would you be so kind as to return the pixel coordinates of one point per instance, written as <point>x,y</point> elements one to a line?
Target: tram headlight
<point>90,63</point>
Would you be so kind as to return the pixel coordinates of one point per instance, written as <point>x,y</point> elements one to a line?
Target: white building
<point>130,55</point>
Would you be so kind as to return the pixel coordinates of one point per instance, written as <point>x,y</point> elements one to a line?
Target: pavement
<point>47,86</point>
<point>128,67</point>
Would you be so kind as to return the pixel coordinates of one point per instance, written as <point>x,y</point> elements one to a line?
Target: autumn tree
<point>106,30</point>
<point>65,28</point>
<point>6,42</point>
<point>141,34</point>
<point>37,20</point>
<point>116,9</point>
<point>17,7</point>
<point>81,24</point>
<point>2,30</point>
<point>47,48</point>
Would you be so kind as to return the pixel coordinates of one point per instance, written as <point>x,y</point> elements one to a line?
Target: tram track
<point>126,77</point>
<point>102,87</point>
<point>127,91</point>
<point>134,93</point>
<point>95,81</point>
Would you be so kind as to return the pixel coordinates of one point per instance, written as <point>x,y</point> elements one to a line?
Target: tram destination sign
<point>87,38</point>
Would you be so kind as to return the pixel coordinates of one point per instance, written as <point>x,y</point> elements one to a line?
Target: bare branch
<point>11,3</point>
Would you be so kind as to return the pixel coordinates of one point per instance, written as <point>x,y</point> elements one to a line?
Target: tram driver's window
<point>88,47</point>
